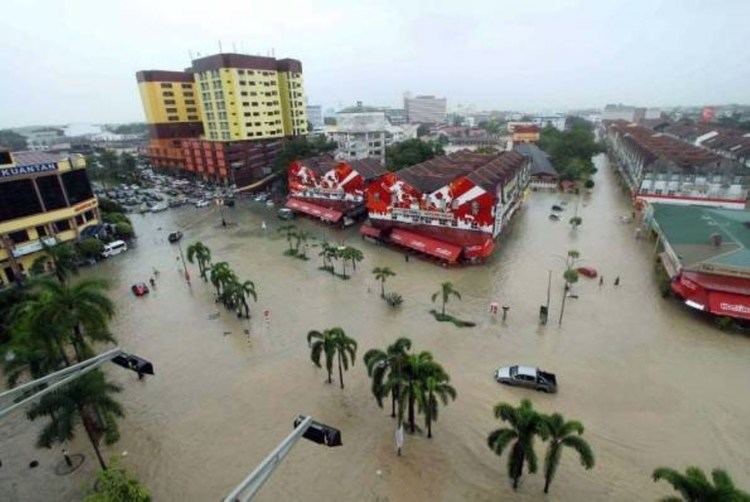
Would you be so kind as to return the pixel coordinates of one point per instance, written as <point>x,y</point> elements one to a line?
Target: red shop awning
<point>370,231</point>
<point>321,212</point>
<point>482,250</point>
<point>729,304</point>
<point>434,247</point>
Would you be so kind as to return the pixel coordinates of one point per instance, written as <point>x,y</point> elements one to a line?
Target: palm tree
<point>243,291</point>
<point>563,433</point>
<point>345,253</point>
<point>333,343</point>
<point>383,365</point>
<point>575,221</point>
<point>381,274</point>
<point>289,230</point>
<point>694,486</point>
<point>524,425</point>
<point>87,400</point>
<point>571,277</point>
<point>200,252</point>
<point>220,275</point>
<point>446,290</point>
<point>324,246</point>
<point>434,389</point>
<point>79,313</point>
<point>355,255</point>
<point>63,258</point>
<point>418,368</point>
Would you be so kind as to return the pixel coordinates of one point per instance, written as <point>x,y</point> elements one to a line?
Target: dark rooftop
<point>540,163</point>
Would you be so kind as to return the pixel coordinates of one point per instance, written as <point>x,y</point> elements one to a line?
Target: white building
<point>42,138</point>
<point>315,116</point>
<point>557,121</point>
<point>362,131</point>
<point>425,109</point>
<point>623,112</point>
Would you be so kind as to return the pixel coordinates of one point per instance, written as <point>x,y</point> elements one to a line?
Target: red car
<point>589,272</point>
<point>140,289</point>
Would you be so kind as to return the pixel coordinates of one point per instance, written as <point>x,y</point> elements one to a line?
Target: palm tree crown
<point>446,291</point>
<point>524,425</point>
<point>563,433</point>
<point>383,365</point>
<point>382,274</point>
<point>200,252</point>
<point>694,486</point>
<point>332,343</point>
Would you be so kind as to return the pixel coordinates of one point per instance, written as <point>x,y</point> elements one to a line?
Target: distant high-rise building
<point>315,116</point>
<point>425,109</point>
<point>623,112</point>
<point>225,117</point>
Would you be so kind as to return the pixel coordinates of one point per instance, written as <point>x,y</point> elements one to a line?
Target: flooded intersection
<point>652,384</point>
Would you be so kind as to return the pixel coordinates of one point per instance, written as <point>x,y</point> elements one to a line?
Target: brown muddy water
<point>653,384</point>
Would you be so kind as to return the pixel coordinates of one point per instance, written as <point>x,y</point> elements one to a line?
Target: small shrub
<point>589,184</point>
<point>123,230</point>
<point>394,299</point>
<point>90,247</point>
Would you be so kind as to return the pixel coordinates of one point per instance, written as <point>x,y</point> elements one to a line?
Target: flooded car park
<point>653,384</point>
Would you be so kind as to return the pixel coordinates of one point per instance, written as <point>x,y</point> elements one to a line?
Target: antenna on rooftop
<point>219,46</point>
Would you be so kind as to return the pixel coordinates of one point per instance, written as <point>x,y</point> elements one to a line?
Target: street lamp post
<point>184,266</point>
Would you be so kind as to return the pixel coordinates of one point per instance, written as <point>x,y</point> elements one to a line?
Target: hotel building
<point>225,118</point>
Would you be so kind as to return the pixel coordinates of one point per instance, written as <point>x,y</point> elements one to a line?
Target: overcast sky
<point>75,60</point>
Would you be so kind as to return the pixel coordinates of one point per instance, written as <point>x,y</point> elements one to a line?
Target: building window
<point>167,94</point>
<point>189,101</point>
<point>19,236</point>
<point>18,199</point>
<point>169,101</point>
<point>80,220</point>
<point>193,117</point>
<point>41,231</point>
<point>77,186</point>
<point>186,86</point>
<point>171,110</point>
<point>243,93</point>
<point>173,118</point>
<point>166,85</point>
<point>51,192</point>
<point>61,226</point>
<point>190,109</point>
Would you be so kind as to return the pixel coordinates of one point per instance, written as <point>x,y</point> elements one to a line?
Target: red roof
<point>321,212</point>
<point>370,231</point>
<point>434,247</point>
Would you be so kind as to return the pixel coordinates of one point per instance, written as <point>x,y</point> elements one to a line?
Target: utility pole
<point>184,266</point>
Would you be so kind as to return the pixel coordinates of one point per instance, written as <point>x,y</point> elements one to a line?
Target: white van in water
<point>114,248</point>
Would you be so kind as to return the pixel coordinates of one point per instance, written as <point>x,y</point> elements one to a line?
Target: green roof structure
<point>705,239</point>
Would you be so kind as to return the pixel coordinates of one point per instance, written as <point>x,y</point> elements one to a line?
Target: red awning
<point>321,212</point>
<point>728,304</point>
<point>482,250</point>
<point>370,231</point>
<point>434,247</point>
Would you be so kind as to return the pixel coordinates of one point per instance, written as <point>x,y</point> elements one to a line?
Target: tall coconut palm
<point>382,274</point>
<point>570,276</point>
<point>355,255</point>
<point>332,343</point>
<point>524,425</point>
<point>63,258</point>
<point>289,230</point>
<point>80,312</point>
<point>383,365</point>
<point>220,275</point>
<point>446,291</point>
<point>561,433</point>
<point>418,368</point>
<point>241,292</point>
<point>344,253</point>
<point>87,400</point>
<point>202,254</point>
<point>31,353</point>
<point>694,486</point>
<point>433,390</point>
<point>301,237</point>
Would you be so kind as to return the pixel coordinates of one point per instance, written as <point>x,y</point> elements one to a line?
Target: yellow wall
<point>156,103</point>
<point>263,112</point>
<point>29,222</point>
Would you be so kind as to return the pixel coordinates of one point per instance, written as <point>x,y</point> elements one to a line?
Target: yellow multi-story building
<point>44,198</point>
<point>245,105</point>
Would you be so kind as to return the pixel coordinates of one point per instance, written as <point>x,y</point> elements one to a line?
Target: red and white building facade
<point>658,167</point>
<point>331,190</point>
<point>452,207</point>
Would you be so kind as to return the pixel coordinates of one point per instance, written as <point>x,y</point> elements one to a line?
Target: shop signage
<point>32,246</point>
<point>8,172</point>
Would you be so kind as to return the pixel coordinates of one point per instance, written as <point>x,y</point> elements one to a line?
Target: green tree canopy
<point>12,140</point>
<point>571,150</point>
<point>410,152</point>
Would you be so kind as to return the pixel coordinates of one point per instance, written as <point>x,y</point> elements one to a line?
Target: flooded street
<point>652,384</point>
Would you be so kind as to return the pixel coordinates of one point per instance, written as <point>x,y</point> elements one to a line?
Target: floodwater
<point>653,384</point>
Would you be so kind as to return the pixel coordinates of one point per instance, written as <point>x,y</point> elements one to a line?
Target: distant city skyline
<point>493,55</point>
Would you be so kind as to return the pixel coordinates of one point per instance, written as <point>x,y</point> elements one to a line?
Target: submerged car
<point>285,213</point>
<point>175,236</point>
<point>201,203</point>
<point>527,376</point>
<point>589,272</point>
<point>140,289</point>
<point>557,208</point>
